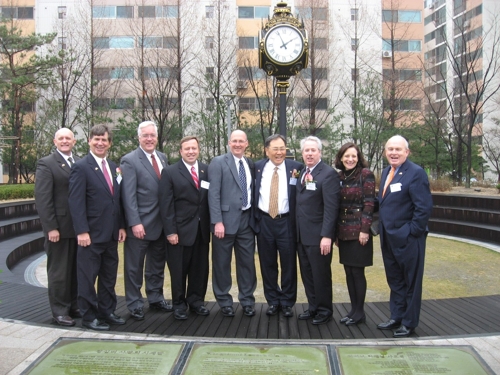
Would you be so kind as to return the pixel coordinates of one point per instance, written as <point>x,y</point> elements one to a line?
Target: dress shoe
<point>114,319</point>
<point>64,320</point>
<point>248,310</point>
<point>227,311</point>
<point>321,319</point>
<point>137,314</point>
<point>96,325</point>
<point>390,324</point>
<point>201,310</point>
<point>162,305</point>
<point>287,311</point>
<point>352,322</point>
<point>402,331</point>
<point>272,309</point>
<point>75,313</point>
<point>180,314</point>
<point>344,319</point>
<point>307,315</point>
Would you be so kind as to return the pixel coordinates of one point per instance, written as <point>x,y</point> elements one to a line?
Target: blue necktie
<point>243,183</point>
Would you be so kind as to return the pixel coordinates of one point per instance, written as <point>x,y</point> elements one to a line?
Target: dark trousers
<point>404,270</point>
<point>61,275</point>
<point>275,237</point>
<point>316,273</point>
<point>99,260</point>
<point>135,252</point>
<point>188,266</point>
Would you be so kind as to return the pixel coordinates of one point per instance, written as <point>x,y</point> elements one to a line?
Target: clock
<point>284,44</point>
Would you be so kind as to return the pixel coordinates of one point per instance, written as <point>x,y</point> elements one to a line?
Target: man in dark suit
<point>230,202</point>
<point>94,202</point>
<point>405,203</point>
<point>141,170</point>
<point>186,223</point>
<point>51,197</point>
<point>318,195</point>
<point>275,189</point>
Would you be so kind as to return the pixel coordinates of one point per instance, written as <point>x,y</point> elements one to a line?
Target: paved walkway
<point>21,343</point>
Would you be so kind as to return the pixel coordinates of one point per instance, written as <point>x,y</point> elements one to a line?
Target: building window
<point>354,14</point>
<point>61,11</point>
<point>251,73</point>
<point>61,43</point>
<point>151,42</point>
<point>121,73</point>
<point>404,104</point>
<point>210,73</point>
<point>248,42</point>
<point>354,44</point>
<point>121,42</point>
<point>113,12</point>
<point>318,103</point>
<point>209,11</point>
<point>317,14</point>
<point>319,73</point>
<point>210,104</point>
<point>157,72</point>
<point>147,12</point>
<point>407,16</point>
<point>319,43</point>
<point>209,42</point>
<point>151,11</point>
<point>253,12</point>
<point>122,103</point>
<point>21,13</point>
<point>402,45</point>
<point>170,42</point>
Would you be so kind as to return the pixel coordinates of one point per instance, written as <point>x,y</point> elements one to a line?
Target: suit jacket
<point>405,212</point>
<point>290,166</point>
<point>51,194</point>
<point>93,208</point>
<point>317,210</point>
<point>224,194</point>
<point>139,192</point>
<point>182,205</point>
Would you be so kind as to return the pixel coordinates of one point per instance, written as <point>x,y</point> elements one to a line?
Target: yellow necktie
<point>389,179</point>
<point>273,196</point>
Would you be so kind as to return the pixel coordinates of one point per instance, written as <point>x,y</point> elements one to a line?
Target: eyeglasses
<point>149,136</point>
<point>278,149</point>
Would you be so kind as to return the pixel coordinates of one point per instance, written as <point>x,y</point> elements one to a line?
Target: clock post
<point>283,52</point>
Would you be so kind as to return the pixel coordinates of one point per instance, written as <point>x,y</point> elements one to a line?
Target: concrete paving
<point>21,343</point>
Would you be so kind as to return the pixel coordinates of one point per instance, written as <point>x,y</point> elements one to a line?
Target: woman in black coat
<point>357,202</point>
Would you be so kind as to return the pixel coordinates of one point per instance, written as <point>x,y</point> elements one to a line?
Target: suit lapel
<point>232,167</point>
<point>62,162</point>
<point>147,164</point>
<point>186,174</point>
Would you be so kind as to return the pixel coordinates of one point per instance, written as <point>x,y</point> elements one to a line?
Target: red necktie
<point>307,177</point>
<point>155,166</point>
<point>389,179</point>
<point>195,177</point>
<point>106,176</point>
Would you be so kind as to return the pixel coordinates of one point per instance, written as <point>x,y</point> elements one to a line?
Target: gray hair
<point>311,138</point>
<point>398,138</point>
<point>145,124</point>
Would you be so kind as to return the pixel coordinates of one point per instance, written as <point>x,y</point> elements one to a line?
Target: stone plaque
<point>223,359</point>
<point>410,360</point>
<point>97,357</point>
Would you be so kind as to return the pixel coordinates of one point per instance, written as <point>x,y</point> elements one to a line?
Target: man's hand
<point>138,231</point>
<point>122,234</point>
<point>363,238</point>
<point>53,235</point>
<point>173,239</point>
<point>219,230</point>
<point>325,245</point>
<point>83,239</point>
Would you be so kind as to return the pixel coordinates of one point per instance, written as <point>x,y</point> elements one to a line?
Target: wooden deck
<point>446,317</point>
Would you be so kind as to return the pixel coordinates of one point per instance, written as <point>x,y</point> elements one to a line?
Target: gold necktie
<point>273,196</point>
<point>389,179</point>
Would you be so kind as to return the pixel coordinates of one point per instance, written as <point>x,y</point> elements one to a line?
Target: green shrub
<point>441,184</point>
<point>17,191</point>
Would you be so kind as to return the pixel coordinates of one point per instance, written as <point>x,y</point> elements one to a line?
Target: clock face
<point>284,44</point>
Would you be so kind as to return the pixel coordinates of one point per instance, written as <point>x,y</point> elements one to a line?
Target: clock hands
<point>284,44</point>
